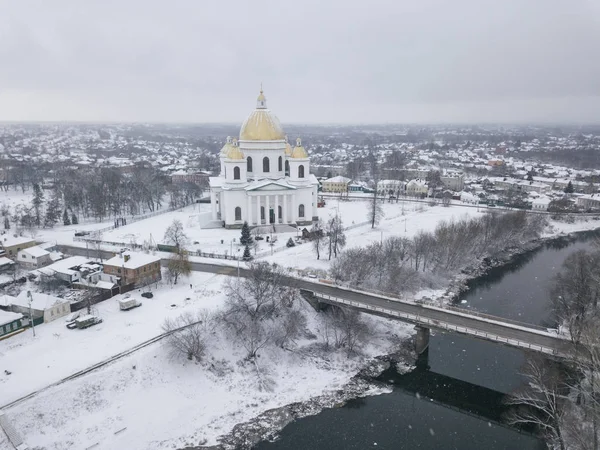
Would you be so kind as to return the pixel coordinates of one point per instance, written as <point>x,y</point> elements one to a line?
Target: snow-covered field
<point>161,403</point>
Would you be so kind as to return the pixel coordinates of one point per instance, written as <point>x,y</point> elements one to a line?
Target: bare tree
<point>576,290</point>
<point>336,236</point>
<point>259,308</point>
<point>174,235</point>
<point>317,237</point>
<point>375,210</point>
<point>178,265</point>
<point>345,327</point>
<point>542,402</point>
<point>188,333</point>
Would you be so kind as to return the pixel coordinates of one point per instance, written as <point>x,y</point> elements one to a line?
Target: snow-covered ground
<point>162,403</point>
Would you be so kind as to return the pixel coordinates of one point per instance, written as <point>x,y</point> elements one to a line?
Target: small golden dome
<point>225,148</point>
<point>288,149</point>
<point>234,152</point>
<point>299,152</point>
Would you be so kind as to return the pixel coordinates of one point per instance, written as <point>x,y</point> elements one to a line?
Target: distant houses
<point>44,307</point>
<point>337,184</point>
<point>14,244</point>
<point>134,269</point>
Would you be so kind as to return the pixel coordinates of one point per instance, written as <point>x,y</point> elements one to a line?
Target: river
<point>453,400</point>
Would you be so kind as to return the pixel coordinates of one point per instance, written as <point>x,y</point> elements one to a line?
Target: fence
<point>440,325</point>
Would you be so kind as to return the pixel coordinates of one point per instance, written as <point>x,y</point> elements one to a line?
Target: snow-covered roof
<point>4,261</point>
<point>40,301</point>
<point>105,284</point>
<point>135,260</point>
<point>10,241</point>
<point>338,179</point>
<point>8,317</point>
<point>6,300</point>
<point>35,252</point>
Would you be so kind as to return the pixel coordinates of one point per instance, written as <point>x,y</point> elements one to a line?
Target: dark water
<point>453,400</point>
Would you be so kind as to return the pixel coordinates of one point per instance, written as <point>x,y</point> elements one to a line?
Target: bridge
<point>425,317</point>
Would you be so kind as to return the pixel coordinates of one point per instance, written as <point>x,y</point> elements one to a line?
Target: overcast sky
<point>343,61</point>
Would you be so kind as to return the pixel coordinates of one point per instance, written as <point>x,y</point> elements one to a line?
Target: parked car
<point>71,317</point>
<point>147,294</point>
<point>86,321</point>
<point>82,233</point>
<point>125,249</point>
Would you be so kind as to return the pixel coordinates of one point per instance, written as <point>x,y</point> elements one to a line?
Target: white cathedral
<point>263,180</point>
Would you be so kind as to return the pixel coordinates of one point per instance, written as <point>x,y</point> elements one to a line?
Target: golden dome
<point>299,152</point>
<point>261,124</point>
<point>288,149</point>
<point>235,153</point>
<point>226,148</point>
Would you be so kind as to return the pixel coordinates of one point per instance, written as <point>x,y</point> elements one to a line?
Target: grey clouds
<point>320,61</point>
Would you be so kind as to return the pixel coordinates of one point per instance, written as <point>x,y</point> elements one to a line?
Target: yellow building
<point>337,184</point>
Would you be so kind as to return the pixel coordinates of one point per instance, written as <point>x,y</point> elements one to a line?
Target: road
<point>436,318</point>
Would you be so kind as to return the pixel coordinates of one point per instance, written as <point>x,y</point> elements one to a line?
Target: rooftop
<point>8,317</point>
<point>135,261</point>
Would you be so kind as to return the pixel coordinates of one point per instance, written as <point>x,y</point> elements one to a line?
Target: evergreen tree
<point>38,199</point>
<point>66,218</point>
<point>6,223</point>
<point>74,220</point>
<point>290,243</point>
<point>569,189</point>
<point>246,239</point>
<point>52,211</point>
<point>247,256</point>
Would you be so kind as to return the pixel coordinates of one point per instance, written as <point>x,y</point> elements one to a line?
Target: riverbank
<point>266,426</point>
<point>462,282</point>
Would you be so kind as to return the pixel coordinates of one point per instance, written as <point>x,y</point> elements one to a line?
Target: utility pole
<point>30,297</point>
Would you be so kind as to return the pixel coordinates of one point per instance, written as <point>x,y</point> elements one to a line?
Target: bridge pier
<point>422,339</point>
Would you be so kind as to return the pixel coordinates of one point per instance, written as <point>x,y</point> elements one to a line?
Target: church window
<point>262,213</point>
<point>279,212</point>
<point>287,168</point>
<point>301,171</point>
<point>266,164</point>
<point>238,213</point>
<point>249,162</point>
<point>280,164</point>
<point>236,173</point>
<point>301,211</point>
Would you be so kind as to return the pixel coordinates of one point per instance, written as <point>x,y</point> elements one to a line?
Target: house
<point>589,201</point>
<point>337,184</point>
<point>137,269</point>
<point>66,269</point>
<point>13,244</point>
<point>417,188</point>
<point>34,257</point>
<point>42,305</point>
<point>357,186</point>
<point>10,322</point>
<point>453,181</point>
<point>540,204</point>
<point>6,264</point>
<point>390,187</point>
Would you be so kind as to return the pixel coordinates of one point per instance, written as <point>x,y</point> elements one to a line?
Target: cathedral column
<point>258,210</point>
<point>294,212</point>
<point>276,208</point>
<point>249,210</point>
<point>213,205</point>
<point>284,209</point>
<point>267,212</point>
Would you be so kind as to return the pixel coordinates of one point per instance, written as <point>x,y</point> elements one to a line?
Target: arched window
<point>280,164</point>
<point>262,213</point>
<point>301,211</point>
<point>287,168</point>
<point>238,213</point>
<point>266,164</point>
<point>279,213</point>
<point>300,171</point>
<point>236,173</point>
<point>249,162</point>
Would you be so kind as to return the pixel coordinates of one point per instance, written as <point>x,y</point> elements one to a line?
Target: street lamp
<point>30,298</point>
<point>238,261</point>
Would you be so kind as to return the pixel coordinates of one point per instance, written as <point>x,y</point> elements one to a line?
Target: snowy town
<point>97,266</point>
<point>299,225</point>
